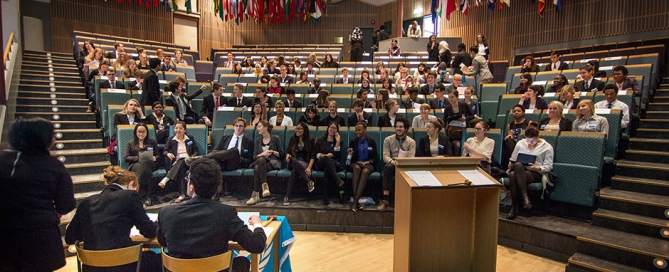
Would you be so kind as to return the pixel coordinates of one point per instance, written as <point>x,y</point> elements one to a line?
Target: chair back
<point>213,263</point>
<point>109,258</point>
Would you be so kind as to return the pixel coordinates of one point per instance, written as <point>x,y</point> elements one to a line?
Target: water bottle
<point>348,158</point>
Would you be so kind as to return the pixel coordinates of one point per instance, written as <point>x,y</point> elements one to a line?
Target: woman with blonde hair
<point>555,120</point>
<point>120,63</point>
<point>313,58</point>
<point>131,70</point>
<point>568,97</point>
<point>587,120</point>
<point>97,55</point>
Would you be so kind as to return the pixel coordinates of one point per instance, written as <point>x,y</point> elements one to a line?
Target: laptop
<point>526,159</point>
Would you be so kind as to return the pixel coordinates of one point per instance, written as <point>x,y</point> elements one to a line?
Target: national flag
<point>541,7</point>
<point>464,7</point>
<point>558,4</point>
<point>189,8</point>
<point>155,3</point>
<point>168,6</point>
<point>221,9</point>
<point>502,2</point>
<point>433,9</point>
<point>121,1</point>
<point>491,4</point>
<point>478,3</point>
<point>315,10</point>
<point>450,7</point>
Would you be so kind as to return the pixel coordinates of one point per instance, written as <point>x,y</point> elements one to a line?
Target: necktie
<point>439,104</point>
<point>290,104</point>
<point>431,88</point>
<point>609,105</point>
<point>620,86</point>
<point>239,102</point>
<point>182,112</point>
<point>586,85</point>
<point>555,66</point>
<point>359,117</point>
<point>237,145</point>
<point>217,103</point>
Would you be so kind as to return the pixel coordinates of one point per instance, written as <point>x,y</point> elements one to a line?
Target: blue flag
<point>433,10</point>
<point>491,4</point>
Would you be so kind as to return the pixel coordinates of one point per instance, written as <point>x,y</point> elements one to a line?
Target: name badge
<point>149,149</point>
<point>369,148</point>
<point>441,146</point>
<point>189,143</point>
<point>591,126</point>
<point>246,151</point>
<point>543,127</point>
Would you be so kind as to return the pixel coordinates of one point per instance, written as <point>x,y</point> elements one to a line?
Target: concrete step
<point>47,53</point>
<point>78,144</point>
<point>81,155</point>
<point>632,223</point>
<point>48,88</point>
<point>659,106</point>
<point>647,156</point>
<point>50,83</point>
<point>654,123</point>
<point>87,183</point>
<point>649,205</point>
<point>78,134</point>
<point>74,124</point>
<point>52,108</point>
<point>46,60</point>
<point>87,167</point>
<point>649,144</point>
<point>64,116</point>
<point>52,95</point>
<point>53,102</point>
<point>658,114</point>
<point>57,74</point>
<point>581,263</point>
<point>46,68</point>
<point>640,185</point>
<point>47,77</point>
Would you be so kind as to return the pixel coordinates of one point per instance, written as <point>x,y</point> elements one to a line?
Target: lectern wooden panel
<point>452,227</point>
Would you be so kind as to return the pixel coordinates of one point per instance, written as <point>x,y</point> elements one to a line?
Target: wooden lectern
<point>452,227</point>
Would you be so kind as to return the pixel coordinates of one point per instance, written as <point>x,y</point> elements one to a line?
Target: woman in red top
<point>274,87</point>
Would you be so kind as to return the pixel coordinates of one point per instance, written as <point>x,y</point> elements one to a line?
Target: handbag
<point>454,133</point>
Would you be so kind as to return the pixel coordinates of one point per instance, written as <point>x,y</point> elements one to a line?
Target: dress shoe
<point>383,205</point>
<point>526,202</point>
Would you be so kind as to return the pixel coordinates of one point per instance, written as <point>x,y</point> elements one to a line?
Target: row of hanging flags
<point>463,6</point>
<point>261,11</point>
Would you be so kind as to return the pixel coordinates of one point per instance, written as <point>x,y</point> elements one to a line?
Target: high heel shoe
<point>526,202</point>
<point>514,212</point>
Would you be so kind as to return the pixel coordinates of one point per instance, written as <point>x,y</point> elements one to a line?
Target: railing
<point>7,47</point>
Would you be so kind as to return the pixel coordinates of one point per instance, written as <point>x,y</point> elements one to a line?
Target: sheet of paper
<point>135,232</point>
<point>424,178</point>
<point>476,177</point>
<point>244,216</point>
<point>268,230</point>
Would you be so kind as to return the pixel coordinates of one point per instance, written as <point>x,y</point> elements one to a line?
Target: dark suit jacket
<point>107,85</point>
<point>563,66</point>
<point>247,144</point>
<point>150,89</point>
<point>384,120</point>
<point>151,119</point>
<point>353,118</point>
<point>426,89</point>
<point>246,102</point>
<point>209,106</point>
<point>434,103</point>
<point>539,104</point>
<point>338,119</point>
<point>296,104</point>
<point>432,53</point>
<point>341,80</point>
<point>463,109</point>
<point>423,149</point>
<point>373,156</point>
<point>287,79</point>
<point>111,55</point>
<point>171,101</point>
<point>580,86</point>
<point>446,58</point>
<point>406,103</point>
<point>132,151</point>
<point>202,227</point>
<point>103,221</point>
<point>122,119</point>
<point>565,123</point>
<point>172,146</point>
<point>461,57</point>
<point>631,83</point>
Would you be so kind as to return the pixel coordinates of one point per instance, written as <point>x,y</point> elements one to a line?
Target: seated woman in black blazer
<point>388,119</point>
<point>568,97</point>
<point>457,111</point>
<point>177,149</point>
<point>555,120</point>
<point>143,168</point>
<point>435,143</point>
<point>103,221</point>
<point>131,114</point>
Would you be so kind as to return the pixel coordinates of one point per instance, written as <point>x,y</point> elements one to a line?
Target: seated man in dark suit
<point>317,86</point>
<point>439,101</point>
<point>118,48</point>
<point>409,102</point>
<point>111,83</point>
<point>430,87</point>
<point>210,104</point>
<point>181,102</point>
<point>202,227</point>
<point>358,114</point>
<point>238,100</point>
<point>589,83</point>
<point>624,83</point>
<point>344,79</point>
<point>284,77</point>
<point>556,64</point>
<point>137,84</point>
<point>290,99</point>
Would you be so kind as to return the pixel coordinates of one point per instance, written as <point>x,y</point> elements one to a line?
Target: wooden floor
<point>329,251</point>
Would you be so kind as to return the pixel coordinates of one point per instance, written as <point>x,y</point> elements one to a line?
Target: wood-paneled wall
<point>107,17</point>
<point>338,22</point>
<point>521,26</point>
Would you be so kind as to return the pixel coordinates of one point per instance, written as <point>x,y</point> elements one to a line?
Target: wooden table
<point>273,237</point>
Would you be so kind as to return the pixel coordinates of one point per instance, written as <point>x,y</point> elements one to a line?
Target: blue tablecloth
<point>286,240</point>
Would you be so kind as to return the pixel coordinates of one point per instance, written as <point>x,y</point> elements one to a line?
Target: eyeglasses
<point>239,126</point>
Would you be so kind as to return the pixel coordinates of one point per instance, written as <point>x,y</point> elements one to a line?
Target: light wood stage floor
<point>331,251</point>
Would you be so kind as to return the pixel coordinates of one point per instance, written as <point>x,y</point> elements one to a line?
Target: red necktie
<point>359,117</point>
<point>217,104</point>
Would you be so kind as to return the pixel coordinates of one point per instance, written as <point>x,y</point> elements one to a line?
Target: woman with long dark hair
<point>328,153</point>
<point>267,153</point>
<point>143,168</point>
<point>300,159</point>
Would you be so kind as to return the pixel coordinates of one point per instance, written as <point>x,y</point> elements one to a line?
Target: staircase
<point>50,87</point>
<point>631,227</point>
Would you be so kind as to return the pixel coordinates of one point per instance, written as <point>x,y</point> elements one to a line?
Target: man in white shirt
<point>229,63</point>
<point>414,30</point>
<point>284,77</point>
<point>611,102</point>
